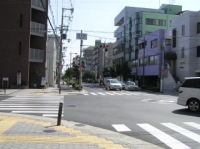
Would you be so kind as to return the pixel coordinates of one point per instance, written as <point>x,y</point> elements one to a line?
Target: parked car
<point>189,93</point>
<point>123,84</point>
<point>130,85</point>
<point>113,84</point>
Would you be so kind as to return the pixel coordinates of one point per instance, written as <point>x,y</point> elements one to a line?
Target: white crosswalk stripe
<point>197,126</point>
<point>163,137</point>
<point>121,127</point>
<point>183,131</point>
<point>44,106</point>
<point>166,138</point>
<point>106,93</point>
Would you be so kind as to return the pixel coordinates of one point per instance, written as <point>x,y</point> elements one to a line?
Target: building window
<point>182,52</point>
<point>198,51</point>
<point>183,30</point>
<point>153,60</point>
<point>141,62</point>
<point>198,27</point>
<point>146,61</point>
<point>174,38</point>
<point>150,21</point>
<point>168,41</point>
<point>161,22</point>
<point>154,43</point>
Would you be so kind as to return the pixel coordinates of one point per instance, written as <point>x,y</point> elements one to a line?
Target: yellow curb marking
<point>77,136</point>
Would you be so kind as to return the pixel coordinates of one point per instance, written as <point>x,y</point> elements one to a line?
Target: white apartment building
<point>186,44</point>
<point>51,60</point>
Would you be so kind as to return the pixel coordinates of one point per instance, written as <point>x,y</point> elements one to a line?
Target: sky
<point>96,18</point>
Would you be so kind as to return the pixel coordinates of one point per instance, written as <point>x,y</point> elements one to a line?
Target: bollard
<point>59,113</point>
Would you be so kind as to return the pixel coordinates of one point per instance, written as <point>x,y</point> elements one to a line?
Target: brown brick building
<point>23,35</point>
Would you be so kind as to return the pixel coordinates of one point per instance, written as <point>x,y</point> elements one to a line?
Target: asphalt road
<point>155,118</point>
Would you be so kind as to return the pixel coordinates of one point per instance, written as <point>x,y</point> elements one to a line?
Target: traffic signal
<point>104,46</point>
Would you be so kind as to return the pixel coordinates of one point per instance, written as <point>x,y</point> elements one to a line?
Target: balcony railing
<point>37,29</point>
<point>36,4</point>
<point>36,55</point>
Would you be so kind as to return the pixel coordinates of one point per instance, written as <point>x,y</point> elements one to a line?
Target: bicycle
<point>174,91</point>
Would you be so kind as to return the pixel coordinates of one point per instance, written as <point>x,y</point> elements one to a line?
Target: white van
<point>189,93</point>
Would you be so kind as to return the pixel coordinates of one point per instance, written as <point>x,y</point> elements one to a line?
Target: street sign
<point>81,36</point>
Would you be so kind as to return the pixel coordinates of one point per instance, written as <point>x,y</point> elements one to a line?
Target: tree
<point>106,72</point>
<point>113,73</point>
<point>89,75</point>
<point>118,70</point>
<point>125,71</point>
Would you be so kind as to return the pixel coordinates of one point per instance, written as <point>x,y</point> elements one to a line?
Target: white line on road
<point>195,125</point>
<point>121,127</point>
<point>46,112</point>
<point>28,105</point>
<point>116,93</point>
<point>51,115</point>
<point>93,93</point>
<point>22,109</point>
<point>101,93</point>
<point>183,131</point>
<point>109,94</point>
<point>163,137</point>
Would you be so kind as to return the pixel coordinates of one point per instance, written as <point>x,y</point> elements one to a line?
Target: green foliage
<point>125,71</point>
<point>75,85</point>
<point>113,72</point>
<point>88,75</point>
<point>106,72</point>
<point>69,81</point>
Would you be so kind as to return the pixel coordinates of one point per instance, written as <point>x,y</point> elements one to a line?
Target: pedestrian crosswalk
<point>44,106</point>
<point>172,135</point>
<point>114,93</point>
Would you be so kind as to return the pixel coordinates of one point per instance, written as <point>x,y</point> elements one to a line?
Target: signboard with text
<point>81,36</point>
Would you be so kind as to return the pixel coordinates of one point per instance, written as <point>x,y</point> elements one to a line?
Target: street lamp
<point>71,58</point>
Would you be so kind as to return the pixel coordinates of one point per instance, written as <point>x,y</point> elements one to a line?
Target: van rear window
<point>191,83</point>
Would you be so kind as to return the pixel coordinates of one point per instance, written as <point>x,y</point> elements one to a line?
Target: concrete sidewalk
<point>19,131</point>
<point>33,132</point>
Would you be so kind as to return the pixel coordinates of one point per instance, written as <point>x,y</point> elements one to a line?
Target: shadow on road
<point>186,111</point>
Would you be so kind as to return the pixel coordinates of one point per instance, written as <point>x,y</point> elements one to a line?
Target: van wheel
<point>194,105</point>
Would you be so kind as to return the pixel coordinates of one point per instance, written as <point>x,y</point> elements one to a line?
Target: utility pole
<point>162,47</point>
<point>60,54</point>
<point>143,62</point>
<point>80,64</point>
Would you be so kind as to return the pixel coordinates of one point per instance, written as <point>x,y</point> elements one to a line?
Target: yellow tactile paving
<point>76,136</point>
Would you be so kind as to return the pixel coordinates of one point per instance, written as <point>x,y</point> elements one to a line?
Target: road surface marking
<point>45,112</point>
<point>163,137</point>
<point>121,127</point>
<point>109,94</point>
<point>183,131</point>
<point>195,125</point>
<point>51,115</point>
<point>93,93</point>
<point>116,93</point>
<point>101,93</point>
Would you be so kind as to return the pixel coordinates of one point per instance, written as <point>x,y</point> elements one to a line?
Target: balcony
<point>36,4</point>
<point>37,29</point>
<point>36,55</point>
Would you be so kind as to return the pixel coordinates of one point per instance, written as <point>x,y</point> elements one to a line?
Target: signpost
<point>81,36</point>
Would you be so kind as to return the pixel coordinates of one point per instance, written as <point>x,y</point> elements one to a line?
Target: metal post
<point>80,64</point>
<point>162,70</point>
<point>59,114</point>
<point>143,62</point>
